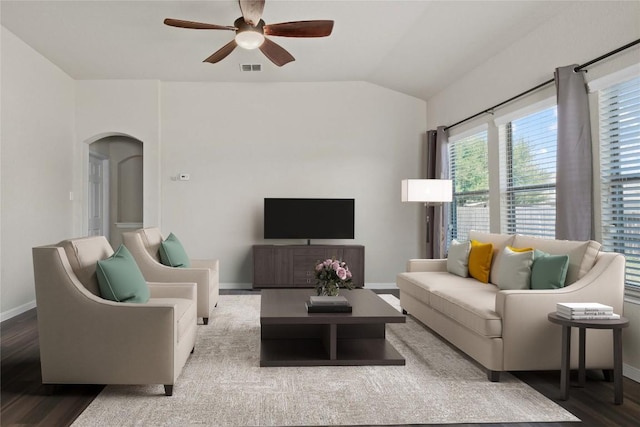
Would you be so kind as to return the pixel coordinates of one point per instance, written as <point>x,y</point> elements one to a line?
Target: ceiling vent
<point>250,67</point>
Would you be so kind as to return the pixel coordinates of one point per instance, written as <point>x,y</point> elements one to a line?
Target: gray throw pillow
<point>514,271</point>
<point>458,258</point>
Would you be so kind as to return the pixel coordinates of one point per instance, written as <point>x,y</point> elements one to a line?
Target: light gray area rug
<point>222,384</point>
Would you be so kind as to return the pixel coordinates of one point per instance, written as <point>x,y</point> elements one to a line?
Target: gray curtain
<point>574,176</point>
<point>437,216</point>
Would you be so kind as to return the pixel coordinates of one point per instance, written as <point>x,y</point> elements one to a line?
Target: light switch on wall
<point>183,177</point>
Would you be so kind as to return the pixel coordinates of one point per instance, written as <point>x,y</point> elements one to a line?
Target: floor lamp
<point>431,192</point>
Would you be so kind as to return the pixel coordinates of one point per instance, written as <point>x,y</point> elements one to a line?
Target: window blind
<point>528,174</point>
<point>620,173</point>
<point>469,170</point>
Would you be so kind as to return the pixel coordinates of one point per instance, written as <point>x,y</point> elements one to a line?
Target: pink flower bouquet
<point>331,275</point>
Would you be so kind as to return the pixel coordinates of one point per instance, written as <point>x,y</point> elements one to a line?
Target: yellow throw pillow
<point>480,260</point>
<point>520,249</point>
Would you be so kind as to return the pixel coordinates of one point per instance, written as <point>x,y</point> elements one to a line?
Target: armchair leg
<point>205,320</point>
<point>193,349</point>
<point>168,389</point>
<point>608,375</point>
<point>404,312</point>
<point>493,376</point>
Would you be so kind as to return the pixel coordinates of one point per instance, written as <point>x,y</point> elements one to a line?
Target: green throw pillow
<point>173,254</point>
<point>120,279</point>
<point>549,271</point>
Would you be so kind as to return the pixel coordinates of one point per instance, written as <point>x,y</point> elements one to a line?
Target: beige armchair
<point>85,339</point>
<point>144,245</point>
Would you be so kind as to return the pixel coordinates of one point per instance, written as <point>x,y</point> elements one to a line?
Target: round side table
<point>615,325</point>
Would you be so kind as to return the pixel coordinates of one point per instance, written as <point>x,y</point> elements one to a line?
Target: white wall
<point>241,143</point>
<point>586,31</point>
<point>37,165</point>
<point>118,107</point>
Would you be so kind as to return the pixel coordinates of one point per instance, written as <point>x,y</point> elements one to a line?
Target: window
<point>469,170</point>
<point>528,174</point>
<point>620,172</point>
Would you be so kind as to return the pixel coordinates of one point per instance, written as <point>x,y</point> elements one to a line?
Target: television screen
<point>309,218</point>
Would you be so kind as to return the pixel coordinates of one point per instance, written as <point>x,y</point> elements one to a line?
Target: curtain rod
<point>541,85</point>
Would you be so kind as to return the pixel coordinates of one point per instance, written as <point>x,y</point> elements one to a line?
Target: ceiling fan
<point>251,31</point>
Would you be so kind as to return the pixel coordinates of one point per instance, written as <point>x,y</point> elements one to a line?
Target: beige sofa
<point>508,330</point>
<point>85,339</point>
<point>144,245</point>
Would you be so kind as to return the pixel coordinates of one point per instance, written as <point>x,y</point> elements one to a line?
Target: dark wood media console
<point>292,266</point>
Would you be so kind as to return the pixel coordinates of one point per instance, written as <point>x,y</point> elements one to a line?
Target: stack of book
<point>337,304</point>
<point>585,311</point>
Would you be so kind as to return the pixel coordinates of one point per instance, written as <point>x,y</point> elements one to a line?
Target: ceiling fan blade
<point>222,53</point>
<point>300,29</point>
<point>251,11</point>
<point>276,53</point>
<point>196,25</point>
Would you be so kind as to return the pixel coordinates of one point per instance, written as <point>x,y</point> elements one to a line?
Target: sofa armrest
<point>526,330</point>
<point>173,290</point>
<point>604,283</point>
<point>212,264</point>
<point>426,265</point>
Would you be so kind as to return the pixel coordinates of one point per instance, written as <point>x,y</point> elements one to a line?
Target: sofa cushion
<point>152,239</point>
<point>83,254</point>
<point>172,253</point>
<point>582,255</point>
<point>514,271</point>
<point>420,284</point>
<point>499,242</point>
<point>470,305</point>
<point>458,258</point>
<point>120,279</point>
<point>480,260</point>
<point>549,271</point>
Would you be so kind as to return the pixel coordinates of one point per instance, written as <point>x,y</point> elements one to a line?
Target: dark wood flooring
<point>26,402</point>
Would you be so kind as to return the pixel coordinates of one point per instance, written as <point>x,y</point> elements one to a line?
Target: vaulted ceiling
<point>416,47</point>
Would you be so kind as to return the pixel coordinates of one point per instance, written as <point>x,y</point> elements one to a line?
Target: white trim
<point>380,286</point>
<point>614,78</point>
<point>469,132</point>
<point>128,225</point>
<point>17,310</point>
<point>250,286</point>
<point>236,286</point>
<point>631,372</point>
<point>525,111</point>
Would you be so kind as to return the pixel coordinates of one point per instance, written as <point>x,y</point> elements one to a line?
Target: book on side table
<point>328,304</point>
<point>585,311</point>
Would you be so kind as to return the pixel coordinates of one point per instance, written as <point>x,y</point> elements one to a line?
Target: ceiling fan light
<point>249,39</point>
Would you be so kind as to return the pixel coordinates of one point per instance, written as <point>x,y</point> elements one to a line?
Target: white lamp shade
<point>427,190</point>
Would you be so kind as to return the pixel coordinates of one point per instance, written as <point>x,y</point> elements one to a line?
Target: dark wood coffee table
<point>292,337</point>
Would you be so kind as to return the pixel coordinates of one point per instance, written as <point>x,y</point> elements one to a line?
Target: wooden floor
<point>26,402</point>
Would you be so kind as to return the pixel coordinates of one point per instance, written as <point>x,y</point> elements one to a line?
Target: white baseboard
<point>245,286</point>
<point>16,311</point>
<point>631,372</point>
<point>242,286</point>
<point>380,286</point>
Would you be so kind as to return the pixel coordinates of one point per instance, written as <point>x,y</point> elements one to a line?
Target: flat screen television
<point>309,218</point>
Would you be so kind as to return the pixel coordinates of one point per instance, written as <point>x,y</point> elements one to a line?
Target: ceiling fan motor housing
<point>248,36</point>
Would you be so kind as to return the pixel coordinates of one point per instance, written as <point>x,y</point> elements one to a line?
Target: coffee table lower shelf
<point>312,352</point>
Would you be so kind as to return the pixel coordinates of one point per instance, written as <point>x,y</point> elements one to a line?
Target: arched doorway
<point>115,199</point>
